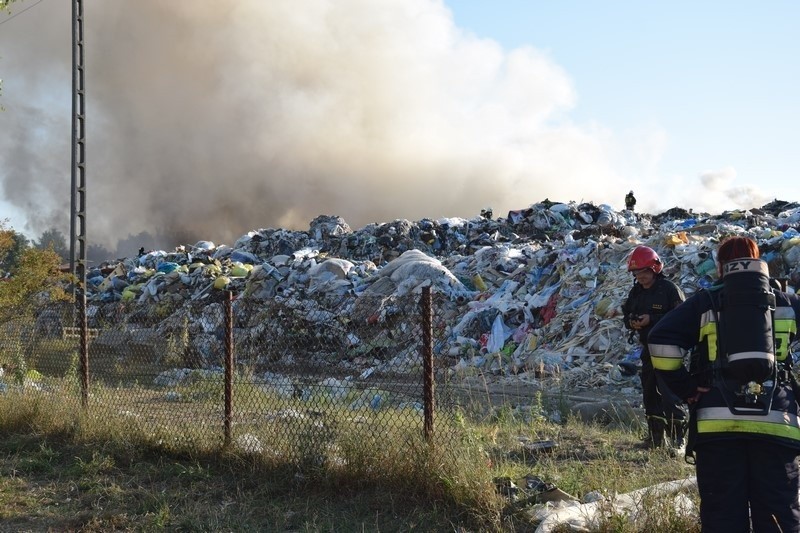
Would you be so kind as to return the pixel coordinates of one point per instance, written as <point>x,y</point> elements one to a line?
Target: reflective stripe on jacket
<point>721,420</point>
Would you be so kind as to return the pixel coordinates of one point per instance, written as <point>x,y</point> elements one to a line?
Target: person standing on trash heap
<point>630,201</point>
<point>649,300</point>
<point>744,434</point>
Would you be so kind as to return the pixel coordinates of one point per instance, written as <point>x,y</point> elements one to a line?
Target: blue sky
<point>203,124</point>
<point>718,79</point>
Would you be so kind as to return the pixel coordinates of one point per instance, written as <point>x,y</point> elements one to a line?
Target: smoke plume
<point>207,120</point>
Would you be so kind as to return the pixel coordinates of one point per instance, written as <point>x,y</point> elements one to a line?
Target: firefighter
<point>744,435</point>
<point>630,201</point>
<point>651,297</point>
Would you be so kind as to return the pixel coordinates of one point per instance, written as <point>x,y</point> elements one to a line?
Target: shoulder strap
<point>715,311</point>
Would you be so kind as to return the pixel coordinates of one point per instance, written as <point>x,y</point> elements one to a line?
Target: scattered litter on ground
<point>587,515</point>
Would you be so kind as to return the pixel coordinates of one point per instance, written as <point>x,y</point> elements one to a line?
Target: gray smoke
<point>209,119</point>
<point>718,189</point>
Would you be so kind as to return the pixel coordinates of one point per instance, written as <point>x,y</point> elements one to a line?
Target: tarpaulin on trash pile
<point>535,293</point>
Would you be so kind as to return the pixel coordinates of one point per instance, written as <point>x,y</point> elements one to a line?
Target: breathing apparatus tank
<point>746,355</point>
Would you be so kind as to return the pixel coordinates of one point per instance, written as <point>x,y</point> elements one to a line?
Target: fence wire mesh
<point>297,378</point>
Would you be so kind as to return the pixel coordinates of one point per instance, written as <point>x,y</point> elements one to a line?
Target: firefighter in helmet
<point>650,298</point>
<point>630,201</point>
<point>744,432</point>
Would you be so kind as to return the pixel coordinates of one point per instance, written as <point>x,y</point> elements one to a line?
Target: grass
<point>81,488</point>
<point>63,469</point>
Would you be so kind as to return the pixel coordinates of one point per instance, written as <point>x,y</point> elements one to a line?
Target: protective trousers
<point>661,432</point>
<point>742,480</point>
<point>660,417</point>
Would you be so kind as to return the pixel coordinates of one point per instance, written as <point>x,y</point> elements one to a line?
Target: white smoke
<point>205,120</point>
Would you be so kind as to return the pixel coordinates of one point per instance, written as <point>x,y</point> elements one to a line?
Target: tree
<point>38,272</point>
<point>35,279</point>
<point>12,252</point>
<point>33,271</point>
<point>12,244</point>
<point>6,235</point>
<point>54,240</point>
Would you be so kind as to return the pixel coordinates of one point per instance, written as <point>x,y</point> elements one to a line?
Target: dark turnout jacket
<point>692,328</point>
<point>656,301</point>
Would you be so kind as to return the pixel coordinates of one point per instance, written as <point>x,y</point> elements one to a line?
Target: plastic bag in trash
<point>497,339</point>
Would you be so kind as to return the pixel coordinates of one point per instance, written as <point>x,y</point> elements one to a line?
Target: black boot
<point>656,427</point>
<point>677,434</point>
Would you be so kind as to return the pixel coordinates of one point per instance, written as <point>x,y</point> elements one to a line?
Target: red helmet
<point>644,257</point>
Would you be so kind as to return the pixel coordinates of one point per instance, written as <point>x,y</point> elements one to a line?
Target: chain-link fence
<point>296,377</point>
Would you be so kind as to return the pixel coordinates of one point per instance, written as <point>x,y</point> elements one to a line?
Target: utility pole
<point>77,252</point>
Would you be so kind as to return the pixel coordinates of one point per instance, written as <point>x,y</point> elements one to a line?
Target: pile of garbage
<point>532,294</point>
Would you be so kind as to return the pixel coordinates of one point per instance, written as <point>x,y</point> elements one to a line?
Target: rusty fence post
<point>228,305</point>
<point>427,361</point>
